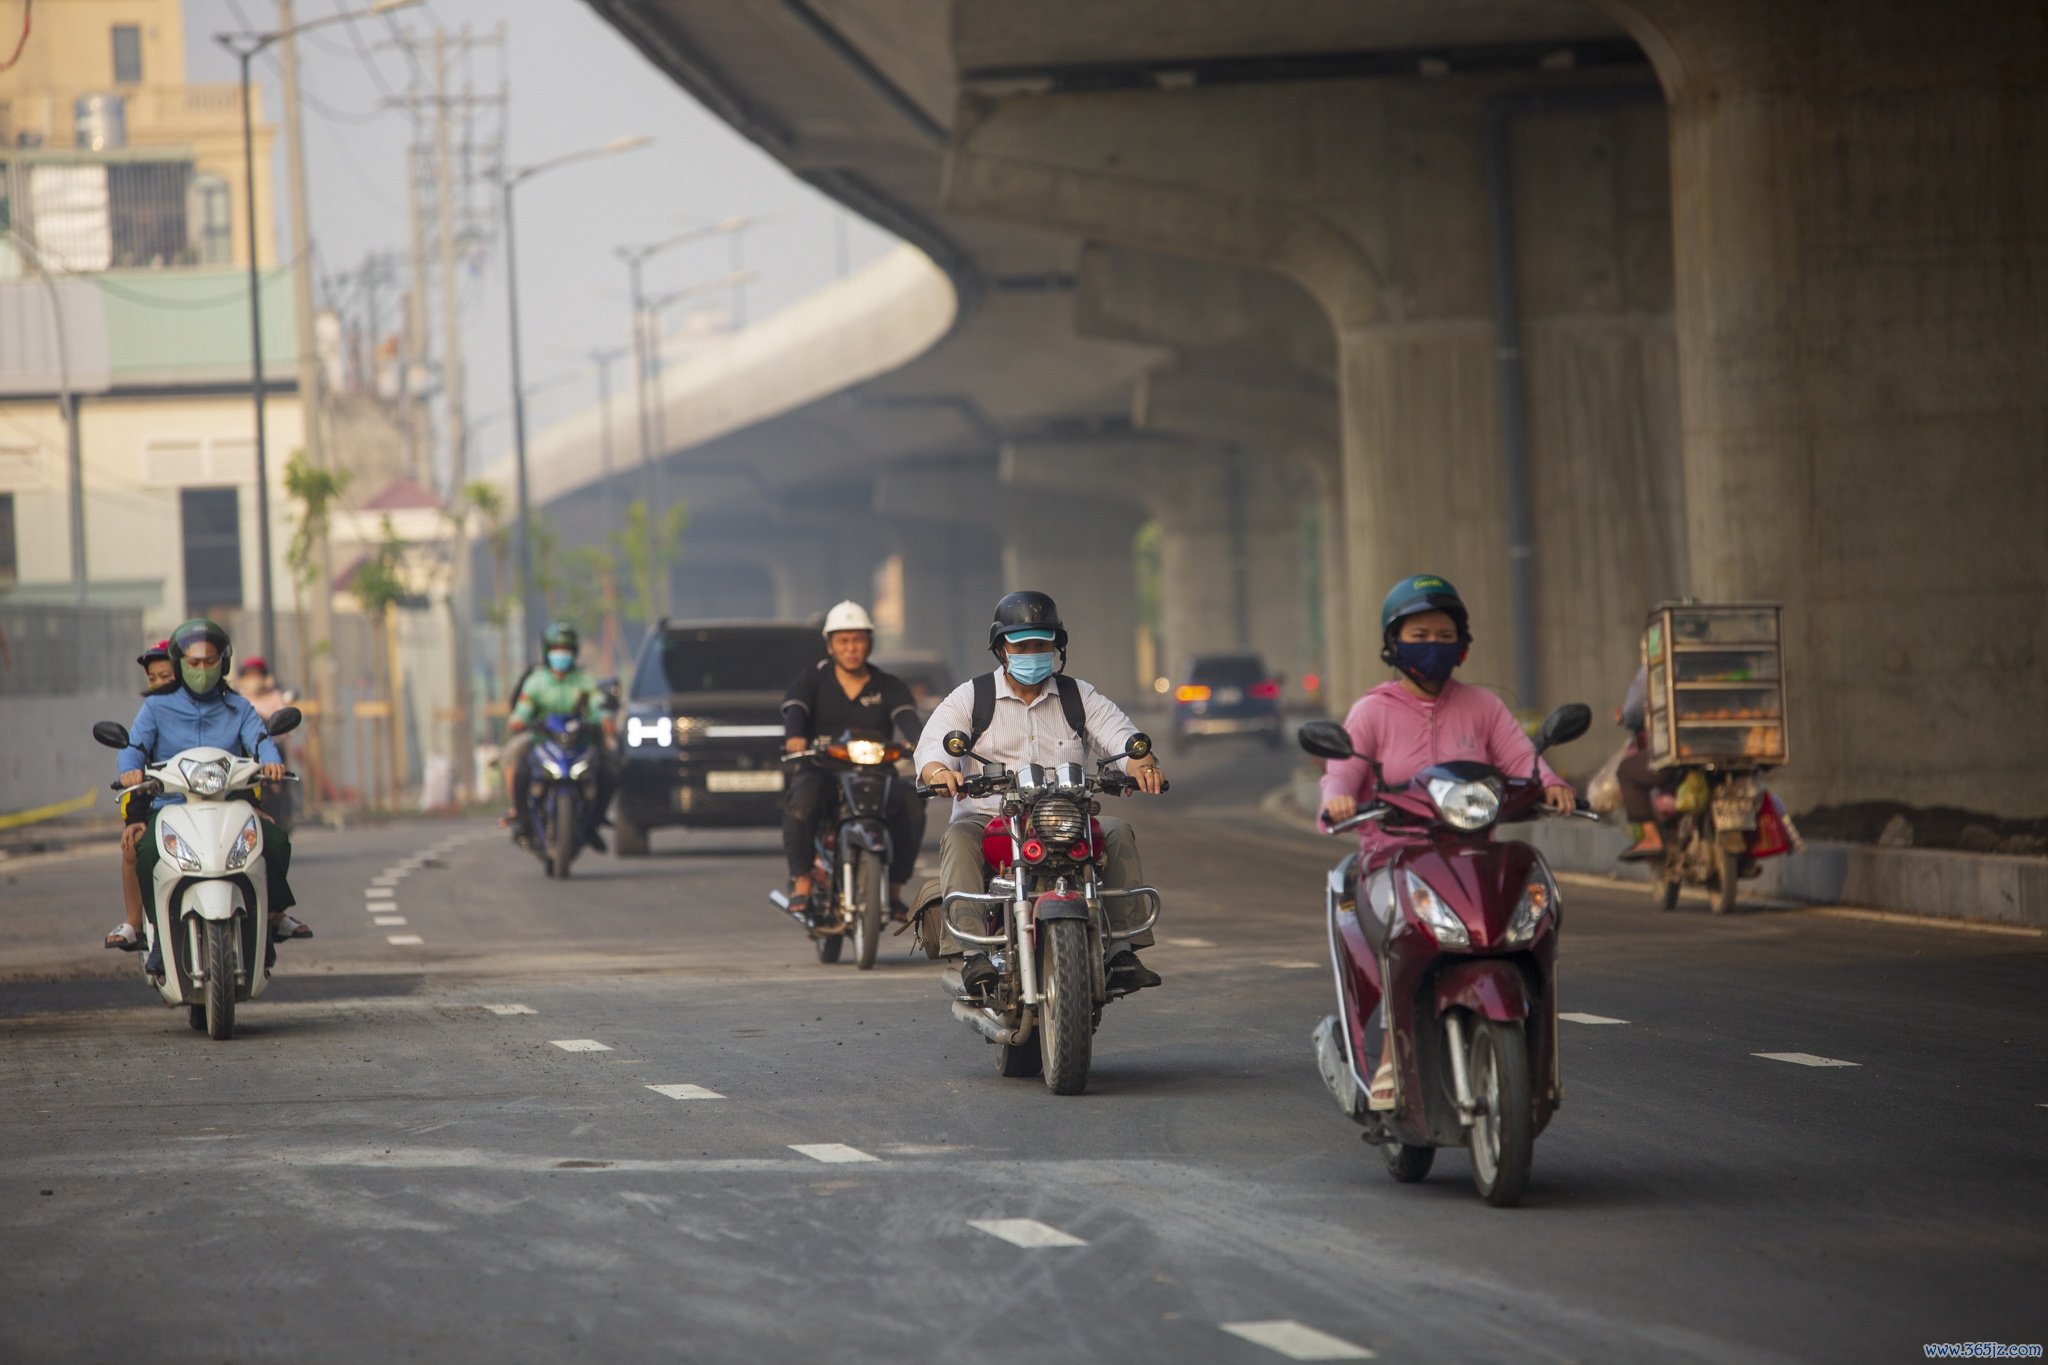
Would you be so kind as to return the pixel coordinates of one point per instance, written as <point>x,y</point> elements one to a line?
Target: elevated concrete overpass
<point>1580,305</point>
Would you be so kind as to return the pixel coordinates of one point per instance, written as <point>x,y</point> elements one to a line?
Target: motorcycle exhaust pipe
<point>987,1027</point>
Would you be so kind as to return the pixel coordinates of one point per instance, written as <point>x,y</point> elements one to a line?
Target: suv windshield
<point>728,659</point>
<point>1228,670</point>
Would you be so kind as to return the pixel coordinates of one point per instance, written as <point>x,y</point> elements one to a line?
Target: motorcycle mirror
<point>1138,745</point>
<point>957,743</point>
<point>283,721</point>
<point>111,733</point>
<point>1325,739</point>
<point>1564,725</point>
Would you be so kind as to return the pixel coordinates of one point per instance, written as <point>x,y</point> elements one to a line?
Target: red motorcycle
<point>1470,946</point>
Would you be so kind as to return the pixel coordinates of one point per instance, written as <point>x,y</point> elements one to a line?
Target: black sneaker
<point>1123,972</point>
<point>978,976</point>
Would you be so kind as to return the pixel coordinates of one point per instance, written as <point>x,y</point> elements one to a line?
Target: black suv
<point>700,743</point>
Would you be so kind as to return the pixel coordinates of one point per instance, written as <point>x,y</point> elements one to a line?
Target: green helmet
<point>1414,595</point>
<point>200,682</point>
<point>559,635</point>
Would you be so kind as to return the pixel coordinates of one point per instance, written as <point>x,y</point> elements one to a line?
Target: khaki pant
<point>961,869</point>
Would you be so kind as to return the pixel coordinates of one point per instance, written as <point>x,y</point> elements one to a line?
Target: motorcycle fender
<point>871,835</point>
<point>1060,905</point>
<point>1490,987</point>
<point>211,900</point>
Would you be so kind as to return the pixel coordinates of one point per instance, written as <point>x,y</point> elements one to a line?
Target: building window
<point>213,232</point>
<point>212,522</point>
<point>127,54</point>
<point>10,569</point>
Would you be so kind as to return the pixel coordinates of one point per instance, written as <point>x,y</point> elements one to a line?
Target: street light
<point>647,349</point>
<point>529,601</point>
<point>245,46</point>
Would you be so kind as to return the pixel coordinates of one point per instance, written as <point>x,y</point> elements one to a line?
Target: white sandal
<point>125,937</point>
<point>1382,1096</point>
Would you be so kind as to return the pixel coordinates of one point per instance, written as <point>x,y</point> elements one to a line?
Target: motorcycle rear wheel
<point>1020,1061</point>
<point>1728,874</point>
<point>220,979</point>
<point>195,1015</point>
<point>829,946</point>
<point>1504,1131</point>
<point>1066,1016</point>
<point>1408,1164</point>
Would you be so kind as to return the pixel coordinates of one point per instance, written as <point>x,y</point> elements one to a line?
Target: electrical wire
<point>20,43</point>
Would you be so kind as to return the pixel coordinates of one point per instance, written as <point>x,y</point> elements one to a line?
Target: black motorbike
<point>851,854</point>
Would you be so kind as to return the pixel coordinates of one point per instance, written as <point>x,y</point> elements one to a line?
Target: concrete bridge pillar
<point>1861,222</point>
<point>1374,194</point>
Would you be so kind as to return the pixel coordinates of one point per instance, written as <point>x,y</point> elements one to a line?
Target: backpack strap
<point>1077,719</point>
<point>984,712</point>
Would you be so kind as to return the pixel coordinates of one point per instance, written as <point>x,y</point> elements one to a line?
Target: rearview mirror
<point>111,733</point>
<point>283,721</point>
<point>1138,745</point>
<point>1564,725</point>
<point>958,742</point>
<point>1325,739</point>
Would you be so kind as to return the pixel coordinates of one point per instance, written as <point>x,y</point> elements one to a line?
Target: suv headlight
<point>658,731</point>
<point>245,846</point>
<point>1468,805</point>
<point>1539,898</point>
<point>205,777</point>
<point>1429,907</point>
<point>175,848</point>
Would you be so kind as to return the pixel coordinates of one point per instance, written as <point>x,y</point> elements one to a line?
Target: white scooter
<point>212,905</point>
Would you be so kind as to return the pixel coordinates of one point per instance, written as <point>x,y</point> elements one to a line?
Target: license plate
<point>1229,696</point>
<point>743,782</point>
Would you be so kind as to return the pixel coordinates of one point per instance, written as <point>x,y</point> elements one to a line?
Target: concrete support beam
<point>1373,195</point>
<point>1861,218</point>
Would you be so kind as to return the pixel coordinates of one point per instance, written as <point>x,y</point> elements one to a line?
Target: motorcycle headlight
<point>1538,899</point>
<point>245,846</point>
<point>658,731</point>
<point>1058,820</point>
<point>1468,805</point>
<point>176,849</point>
<point>1430,908</point>
<point>208,777</point>
<point>580,766</point>
<point>866,751</point>
<point>549,766</point>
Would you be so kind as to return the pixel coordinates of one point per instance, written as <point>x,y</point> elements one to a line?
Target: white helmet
<point>848,615</point>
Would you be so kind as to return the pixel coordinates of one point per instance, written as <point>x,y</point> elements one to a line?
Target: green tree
<point>632,544</point>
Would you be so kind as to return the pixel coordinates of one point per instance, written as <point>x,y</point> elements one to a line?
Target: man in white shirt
<point>1033,722</point>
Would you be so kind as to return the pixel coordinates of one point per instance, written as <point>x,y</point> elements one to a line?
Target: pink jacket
<point>1407,733</point>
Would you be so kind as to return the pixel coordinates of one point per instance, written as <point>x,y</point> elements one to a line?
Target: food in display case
<point>1716,689</point>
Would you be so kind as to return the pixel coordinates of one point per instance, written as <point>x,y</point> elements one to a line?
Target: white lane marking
<point>686,1092</point>
<point>509,1009</point>
<point>378,893</point>
<point>404,940</point>
<point>1296,1342</point>
<point>388,921</point>
<point>1025,1232</point>
<point>388,879</point>
<point>1577,1018</point>
<point>831,1153</point>
<point>1928,921</point>
<point>1186,943</point>
<point>1297,966</point>
<point>579,1045</point>
<point>1802,1059</point>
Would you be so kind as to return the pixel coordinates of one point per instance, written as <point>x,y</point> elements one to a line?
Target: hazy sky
<point>574,83</point>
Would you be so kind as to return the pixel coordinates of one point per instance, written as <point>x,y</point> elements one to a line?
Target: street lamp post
<point>245,46</point>
<point>529,599</point>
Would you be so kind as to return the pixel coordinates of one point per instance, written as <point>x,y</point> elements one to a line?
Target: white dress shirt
<point>1022,732</point>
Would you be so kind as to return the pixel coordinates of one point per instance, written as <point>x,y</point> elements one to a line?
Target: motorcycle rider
<point>1423,718</point>
<point>202,710</point>
<point>1036,709</point>
<point>839,693</point>
<point>558,688</point>
<point>159,675</point>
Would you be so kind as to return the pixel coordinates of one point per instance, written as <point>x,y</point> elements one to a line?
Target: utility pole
<point>458,420</point>
<point>414,348</point>
<point>312,409</point>
<point>603,358</point>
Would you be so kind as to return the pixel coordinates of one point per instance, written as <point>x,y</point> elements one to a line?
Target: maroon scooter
<point>1470,947</point>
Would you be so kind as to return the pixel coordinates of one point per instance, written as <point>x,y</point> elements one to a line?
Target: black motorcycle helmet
<point>1414,595</point>
<point>194,632</point>
<point>1027,610</point>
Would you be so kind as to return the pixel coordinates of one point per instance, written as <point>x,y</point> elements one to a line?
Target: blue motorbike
<point>562,786</point>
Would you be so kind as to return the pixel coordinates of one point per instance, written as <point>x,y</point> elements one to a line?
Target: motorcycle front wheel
<point>1066,1016</point>
<point>220,979</point>
<point>1504,1130</point>
<point>1728,874</point>
<point>565,832</point>
<point>867,909</point>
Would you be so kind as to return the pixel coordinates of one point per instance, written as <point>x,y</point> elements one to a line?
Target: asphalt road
<point>397,1158</point>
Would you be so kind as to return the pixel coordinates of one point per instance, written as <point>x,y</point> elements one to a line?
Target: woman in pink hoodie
<point>1422,718</point>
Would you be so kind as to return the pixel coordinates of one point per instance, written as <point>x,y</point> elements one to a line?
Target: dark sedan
<point>1227,694</point>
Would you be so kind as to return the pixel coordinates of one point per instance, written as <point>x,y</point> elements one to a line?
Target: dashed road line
<point>686,1092</point>
<point>509,1009</point>
<point>1295,1341</point>
<point>379,893</point>
<point>388,921</point>
<point>1802,1059</point>
<point>831,1153</point>
<point>1577,1018</point>
<point>1186,943</point>
<point>1025,1232</point>
<point>579,1045</point>
<point>404,940</point>
<point>1297,966</point>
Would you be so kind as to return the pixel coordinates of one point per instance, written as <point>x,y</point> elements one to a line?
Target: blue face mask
<point>1031,669</point>
<point>1430,663</point>
<point>561,660</point>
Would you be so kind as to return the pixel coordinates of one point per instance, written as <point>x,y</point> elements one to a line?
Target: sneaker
<point>978,975</point>
<point>1123,972</point>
